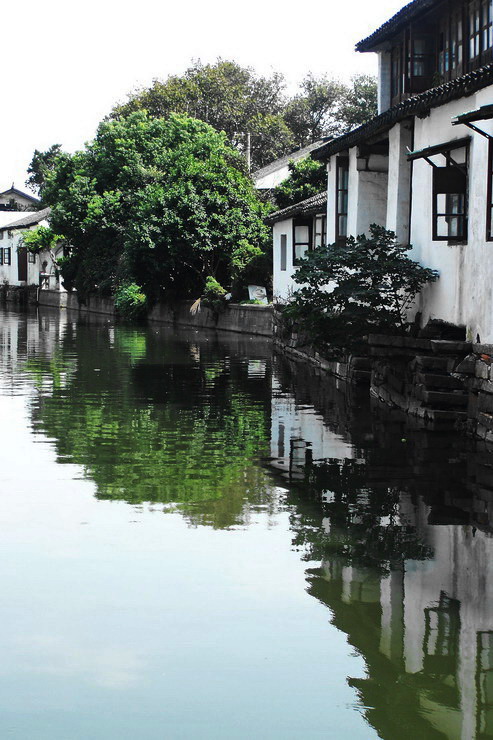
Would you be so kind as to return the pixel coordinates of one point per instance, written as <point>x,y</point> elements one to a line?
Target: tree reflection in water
<point>394,522</point>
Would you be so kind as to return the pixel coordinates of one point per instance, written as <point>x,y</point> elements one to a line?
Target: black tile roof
<point>419,105</point>
<point>30,219</point>
<point>392,26</point>
<point>310,206</point>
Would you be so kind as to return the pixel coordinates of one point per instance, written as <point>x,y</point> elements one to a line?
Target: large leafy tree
<point>160,203</point>
<point>229,97</point>
<point>236,100</point>
<point>41,164</point>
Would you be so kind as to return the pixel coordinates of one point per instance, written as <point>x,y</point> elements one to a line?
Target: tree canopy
<point>159,203</point>
<point>237,100</point>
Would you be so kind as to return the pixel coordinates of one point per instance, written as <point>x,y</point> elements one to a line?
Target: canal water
<point>201,540</point>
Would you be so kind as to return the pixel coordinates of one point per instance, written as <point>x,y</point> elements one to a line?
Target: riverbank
<point>441,384</point>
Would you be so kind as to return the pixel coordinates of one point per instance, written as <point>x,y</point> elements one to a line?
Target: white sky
<point>65,64</point>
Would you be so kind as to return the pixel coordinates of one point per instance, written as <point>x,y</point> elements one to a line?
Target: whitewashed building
<point>16,200</point>
<point>19,267</point>
<point>424,166</point>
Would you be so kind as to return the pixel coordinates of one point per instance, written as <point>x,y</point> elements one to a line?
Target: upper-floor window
<point>480,32</point>
<point>342,197</point>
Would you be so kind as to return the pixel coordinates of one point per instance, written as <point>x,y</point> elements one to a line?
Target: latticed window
<point>480,32</point>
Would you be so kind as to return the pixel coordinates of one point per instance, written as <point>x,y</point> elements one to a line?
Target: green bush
<point>366,285</point>
<point>130,301</point>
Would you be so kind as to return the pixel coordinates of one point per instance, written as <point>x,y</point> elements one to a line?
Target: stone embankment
<point>444,383</point>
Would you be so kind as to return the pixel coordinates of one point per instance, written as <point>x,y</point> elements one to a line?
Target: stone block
<point>439,380</point>
<point>482,349</point>
<point>442,346</point>
<point>485,403</point>
<point>467,366</point>
<point>445,399</point>
<point>433,363</point>
<point>482,370</point>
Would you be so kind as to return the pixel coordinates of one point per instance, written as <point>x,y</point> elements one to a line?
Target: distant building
<point>18,266</point>
<point>276,172</point>
<point>296,230</point>
<point>15,200</point>
<point>423,167</point>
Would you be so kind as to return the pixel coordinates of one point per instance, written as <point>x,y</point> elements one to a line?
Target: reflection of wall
<point>299,435</point>
<point>423,617</point>
<point>435,625</point>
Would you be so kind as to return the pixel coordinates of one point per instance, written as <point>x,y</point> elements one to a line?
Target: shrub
<point>367,284</point>
<point>130,301</point>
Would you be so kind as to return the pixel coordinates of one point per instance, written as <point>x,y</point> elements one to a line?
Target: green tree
<point>349,290</point>
<point>161,204</point>
<point>230,98</point>
<point>41,164</point>
<point>306,178</point>
<point>359,102</point>
<point>312,113</point>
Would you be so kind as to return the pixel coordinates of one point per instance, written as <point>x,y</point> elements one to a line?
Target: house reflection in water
<point>406,572</point>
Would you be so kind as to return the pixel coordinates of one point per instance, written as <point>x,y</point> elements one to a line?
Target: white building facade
<point>423,167</point>
<point>18,266</point>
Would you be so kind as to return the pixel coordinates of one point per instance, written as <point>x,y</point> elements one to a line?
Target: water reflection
<point>414,592</point>
<point>394,523</point>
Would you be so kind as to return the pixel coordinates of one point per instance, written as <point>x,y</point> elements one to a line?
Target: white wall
<point>283,285</point>
<point>367,198</point>
<point>384,81</point>
<point>273,179</point>
<point>463,294</point>
<point>399,181</point>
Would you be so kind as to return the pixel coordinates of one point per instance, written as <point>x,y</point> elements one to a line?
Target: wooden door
<point>22,264</point>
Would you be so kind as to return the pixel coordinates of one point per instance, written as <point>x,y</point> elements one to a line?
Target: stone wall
<point>244,319</point>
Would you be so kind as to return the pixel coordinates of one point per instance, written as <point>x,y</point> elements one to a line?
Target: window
<point>449,162</point>
<point>302,239</point>
<point>320,231</point>
<point>7,256</point>
<point>449,203</point>
<point>284,252</point>
<point>342,191</point>
<point>480,32</point>
<point>31,258</point>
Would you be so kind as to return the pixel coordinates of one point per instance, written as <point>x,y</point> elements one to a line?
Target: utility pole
<point>248,151</point>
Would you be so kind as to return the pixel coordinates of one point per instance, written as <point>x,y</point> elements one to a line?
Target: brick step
<point>439,398</point>
<point>438,380</point>
<point>435,364</point>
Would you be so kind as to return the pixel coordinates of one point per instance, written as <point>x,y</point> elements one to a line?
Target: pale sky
<point>65,64</point>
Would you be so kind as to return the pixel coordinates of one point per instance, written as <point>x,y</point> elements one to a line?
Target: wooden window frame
<point>300,221</point>
<point>341,238</point>
<point>7,256</point>
<point>283,242</point>
<point>462,217</point>
<point>323,233</point>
